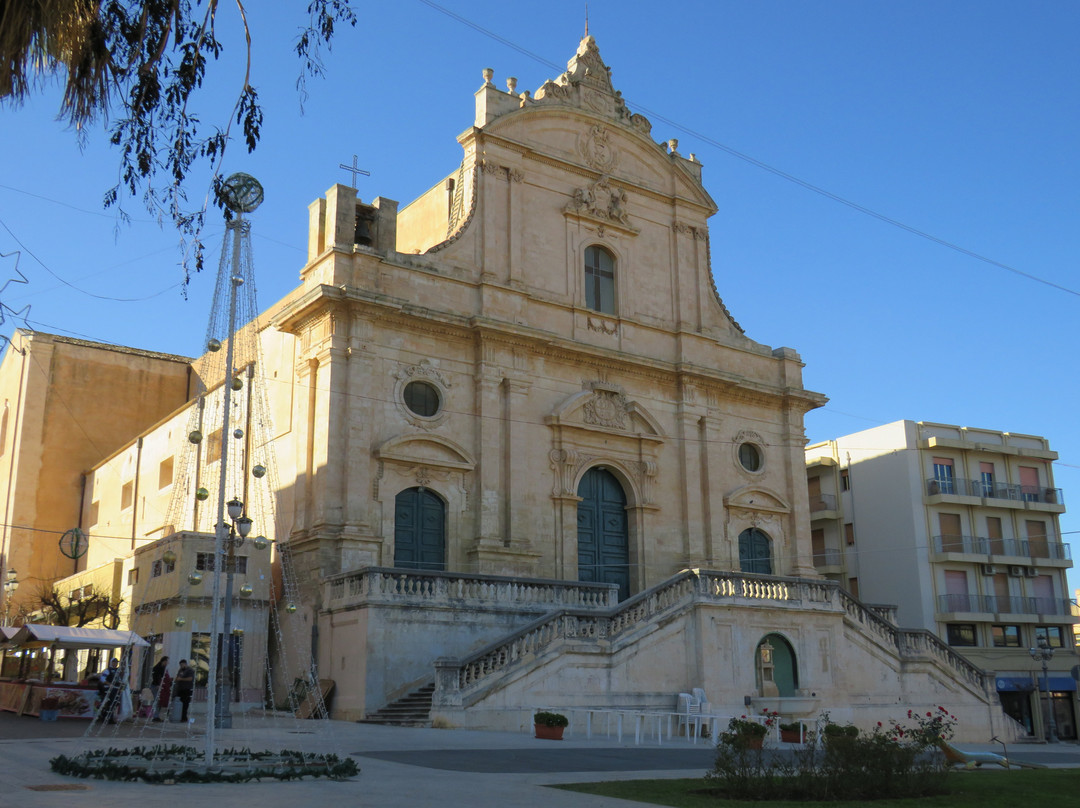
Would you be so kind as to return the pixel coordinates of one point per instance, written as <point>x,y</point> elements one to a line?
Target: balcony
<point>828,561</point>
<point>999,491</point>
<point>1036,549</point>
<point>994,604</point>
<point>823,506</point>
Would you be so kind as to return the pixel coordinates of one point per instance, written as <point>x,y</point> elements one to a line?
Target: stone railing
<point>382,585</point>
<point>917,642</point>
<point>456,679</point>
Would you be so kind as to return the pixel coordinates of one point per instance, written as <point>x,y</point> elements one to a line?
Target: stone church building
<point>527,457</point>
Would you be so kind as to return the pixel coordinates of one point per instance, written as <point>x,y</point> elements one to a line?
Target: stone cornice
<point>310,307</point>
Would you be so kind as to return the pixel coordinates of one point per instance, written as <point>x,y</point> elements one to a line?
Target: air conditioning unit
<point>1016,572</point>
<point>989,569</point>
<point>1031,572</point>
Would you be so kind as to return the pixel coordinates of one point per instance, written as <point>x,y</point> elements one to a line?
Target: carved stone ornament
<point>602,326</point>
<point>602,202</point>
<point>587,84</point>
<point>606,409</point>
<point>596,148</point>
<point>422,370</point>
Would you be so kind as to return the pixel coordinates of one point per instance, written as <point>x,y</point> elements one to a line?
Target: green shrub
<point>894,761</point>
<point>546,719</point>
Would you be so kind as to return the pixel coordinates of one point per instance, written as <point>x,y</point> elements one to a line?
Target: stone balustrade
<point>404,587</point>
<point>459,681</point>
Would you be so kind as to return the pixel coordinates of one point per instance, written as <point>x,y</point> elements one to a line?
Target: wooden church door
<point>419,530</point>
<point>603,540</point>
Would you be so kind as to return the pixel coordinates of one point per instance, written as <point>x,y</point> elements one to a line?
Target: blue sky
<point>957,119</point>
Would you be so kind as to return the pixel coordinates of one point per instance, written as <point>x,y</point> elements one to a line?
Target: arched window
<point>599,280</point>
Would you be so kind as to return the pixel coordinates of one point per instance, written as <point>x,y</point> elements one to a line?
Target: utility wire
<point>809,186</point>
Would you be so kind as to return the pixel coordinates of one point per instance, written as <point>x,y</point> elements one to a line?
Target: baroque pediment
<point>587,84</point>
<point>606,407</point>
<point>757,498</point>
<point>426,450</point>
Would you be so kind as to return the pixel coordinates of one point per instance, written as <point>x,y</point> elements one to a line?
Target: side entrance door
<point>419,530</point>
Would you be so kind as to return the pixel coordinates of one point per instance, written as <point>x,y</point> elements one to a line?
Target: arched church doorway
<point>785,672</point>
<point>755,551</point>
<point>419,530</point>
<point>603,540</point>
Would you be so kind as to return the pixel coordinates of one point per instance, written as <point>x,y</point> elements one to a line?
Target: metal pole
<point>220,530</point>
<point>224,714</point>
<point>1049,703</point>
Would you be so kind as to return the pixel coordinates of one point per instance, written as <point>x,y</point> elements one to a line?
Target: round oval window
<point>422,398</point>
<point>750,457</point>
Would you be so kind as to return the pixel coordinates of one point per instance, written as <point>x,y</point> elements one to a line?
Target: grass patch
<point>976,789</point>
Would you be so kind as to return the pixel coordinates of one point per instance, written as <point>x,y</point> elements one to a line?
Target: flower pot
<point>548,733</point>
<point>754,742</point>
<point>790,736</point>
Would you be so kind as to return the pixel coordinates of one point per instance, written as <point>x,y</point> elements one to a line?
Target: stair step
<point>411,710</point>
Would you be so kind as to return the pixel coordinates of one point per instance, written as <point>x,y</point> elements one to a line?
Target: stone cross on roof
<point>354,169</point>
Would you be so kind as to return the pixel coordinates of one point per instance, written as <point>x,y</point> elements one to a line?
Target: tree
<point>88,607</point>
<point>146,58</point>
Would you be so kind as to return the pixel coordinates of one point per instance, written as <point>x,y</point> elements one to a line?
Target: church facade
<point>527,457</point>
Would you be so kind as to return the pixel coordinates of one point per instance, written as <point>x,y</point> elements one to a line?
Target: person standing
<point>109,691</point>
<point>156,675</point>
<point>184,686</point>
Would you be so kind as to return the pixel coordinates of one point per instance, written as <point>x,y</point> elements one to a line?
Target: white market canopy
<point>34,635</point>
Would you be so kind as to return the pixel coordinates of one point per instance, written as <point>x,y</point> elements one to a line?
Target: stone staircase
<point>413,710</point>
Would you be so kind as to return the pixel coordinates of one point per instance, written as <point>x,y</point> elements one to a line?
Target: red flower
<point>879,723</point>
<point>909,713</point>
<point>928,715</point>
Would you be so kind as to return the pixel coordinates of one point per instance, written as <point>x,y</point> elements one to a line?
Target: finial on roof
<point>586,20</point>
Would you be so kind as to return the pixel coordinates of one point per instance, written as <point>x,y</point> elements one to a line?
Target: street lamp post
<point>11,583</point>
<point>239,529</point>
<point>1044,653</point>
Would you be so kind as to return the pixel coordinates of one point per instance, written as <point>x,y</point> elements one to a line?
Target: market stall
<point>73,700</point>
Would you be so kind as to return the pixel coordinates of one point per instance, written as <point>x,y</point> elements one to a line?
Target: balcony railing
<point>994,490</point>
<point>994,604</point>
<point>1047,548</point>
<point>828,558</point>
<point>822,502</point>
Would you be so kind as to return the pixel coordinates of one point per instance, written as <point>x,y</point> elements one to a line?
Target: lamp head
<point>235,507</point>
<point>243,526</point>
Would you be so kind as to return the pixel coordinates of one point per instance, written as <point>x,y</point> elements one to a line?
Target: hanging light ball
<point>238,632</point>
<point>180,620</point>
<point>169,557</point>
<point>237,383</point>
<point>195,436</point>
<point>260,542</point>
<point>258,471</point>
<point>195,578</point>
<point>246,590</point>
<point>238,433</point>
<point>214,345</point>
<point>202,494</point>
<point>290,607</point>
<point>238,280</point>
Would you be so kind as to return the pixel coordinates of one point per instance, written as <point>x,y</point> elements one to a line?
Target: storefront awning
<point>34,635</point>
<point>1025,685</point>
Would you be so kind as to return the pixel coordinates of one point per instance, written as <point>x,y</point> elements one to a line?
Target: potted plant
<point>49,710</point>
<point>791,732</point>
<point>745,733</point>
<point>550,726</point>
<point>839,735</point>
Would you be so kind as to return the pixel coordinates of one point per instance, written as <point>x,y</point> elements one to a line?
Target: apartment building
<point>958,529</point>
